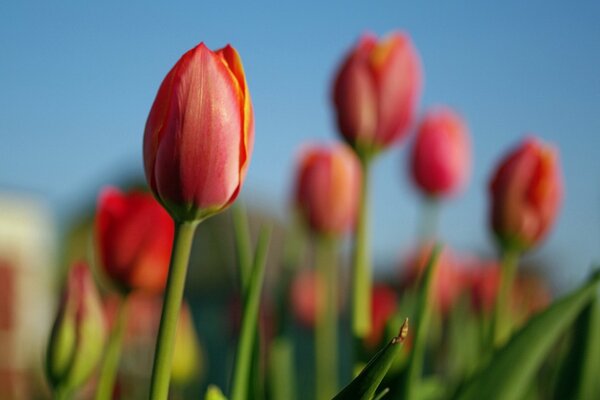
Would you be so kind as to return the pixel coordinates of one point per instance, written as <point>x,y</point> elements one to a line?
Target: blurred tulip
<point>135,237</point>
<point>383,306</point>
<point>441,155</point>
<point>328,188</point>
<point>525,192</point>
<point>449,280</point>
<point>187,356</point>
<point>483,284</point>
<point>199,134</point>
<point>304,297</point>
<point>530,295</point>
<point>78,334</point>
<point>376,92</point>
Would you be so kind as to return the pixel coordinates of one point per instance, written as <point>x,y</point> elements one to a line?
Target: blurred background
<point>77,82</point>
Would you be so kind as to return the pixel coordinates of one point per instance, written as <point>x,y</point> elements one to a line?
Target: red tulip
<point>449,279</point>
<point>199,134</point>
<point>328,188</point>
<point>78,334</point>
<point>376,92</point>
<point>135,237</point>
<point>304,297</point>
<point>383,306</point>
<point>526,192</point>
<point>441,155</point>
<point>484,282</point>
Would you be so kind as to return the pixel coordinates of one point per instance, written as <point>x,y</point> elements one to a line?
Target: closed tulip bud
<point>134,236</point>
<point>525,193</point>
<point>328,188</point>
<point>199,134</point>
<point>376,92</point>
<point>187,354</point>
<point>441,155</point>
<point>78,335</point>
<point>383,306</point>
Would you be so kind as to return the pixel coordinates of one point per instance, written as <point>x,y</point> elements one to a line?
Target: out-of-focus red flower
<point>305,297</point>
<point>328,188</point>
<point>78,334</point>
<point>199,134</point>
<point>525,193</point>
<point>449,280</point>
<point>530,295</point>
<point>383,306</point>
<point>484,285</point>
<point>376,91</point>
<point>441,155</point>
<point>135,236</point>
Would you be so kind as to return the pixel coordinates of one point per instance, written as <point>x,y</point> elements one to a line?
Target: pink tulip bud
<point>383,306</point>
<point>199,134</point>
<point>441,155</point>
<point>135,238</point>
<point>376,92</point>
<point>304,297</point>
<point>525,192</point>
<point>77,339</point>
<point>327,188</point>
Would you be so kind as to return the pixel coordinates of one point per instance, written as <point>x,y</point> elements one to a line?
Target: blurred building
<point>27,243</point>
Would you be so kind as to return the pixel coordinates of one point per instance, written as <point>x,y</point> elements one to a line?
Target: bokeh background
<point>78,79</point>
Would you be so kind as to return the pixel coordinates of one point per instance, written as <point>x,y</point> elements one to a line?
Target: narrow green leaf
<point>512,368</point>
<point>581,368</point>
<point>241,376</point>
<point>243,244</point>
<point>423,319</point>
<point>363,387</point>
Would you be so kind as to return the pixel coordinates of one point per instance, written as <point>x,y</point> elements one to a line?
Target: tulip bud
<point>187,354</point>
<point>441,155</point>
<point>328,188</point>
<point>135,236</point>
<point>199,134</point>
<point>77,337</point>
<point>376,92</point>
<point>525,193</point>
<point>306,297</point>
<point>383,307</point>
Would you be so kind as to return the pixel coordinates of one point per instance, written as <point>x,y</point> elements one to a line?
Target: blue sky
<point>77,81</point>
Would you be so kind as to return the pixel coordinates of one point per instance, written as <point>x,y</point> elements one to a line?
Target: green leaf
<point>509,374</point>
<point>242,370</point>
<point>242,244</point>
<point>423,319</point>
<point>581,368</point>
<point>363,387</point>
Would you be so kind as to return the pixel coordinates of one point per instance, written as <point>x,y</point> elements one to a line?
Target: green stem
<point>110,365</point>
<point>326,329</point>
<point>361,282</point>
<point>163,356</point>
<point>243,362</point>
<point>501,325</point>
<point>430,214</point>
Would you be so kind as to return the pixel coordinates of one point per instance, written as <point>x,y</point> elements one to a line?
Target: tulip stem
<point>110,365</point>
<point>429,219</point>
<point>163,356</point>
<point>501,323</point>
<point>361,282</point>
<point>61,394</point>
<point>326,332</point>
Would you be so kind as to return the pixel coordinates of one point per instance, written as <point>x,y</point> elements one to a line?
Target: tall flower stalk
<point>197,146</point>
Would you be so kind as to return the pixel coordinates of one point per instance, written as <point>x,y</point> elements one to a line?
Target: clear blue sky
<point>77,81</point>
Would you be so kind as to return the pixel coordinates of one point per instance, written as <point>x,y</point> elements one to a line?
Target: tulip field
<point>295,309</point>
